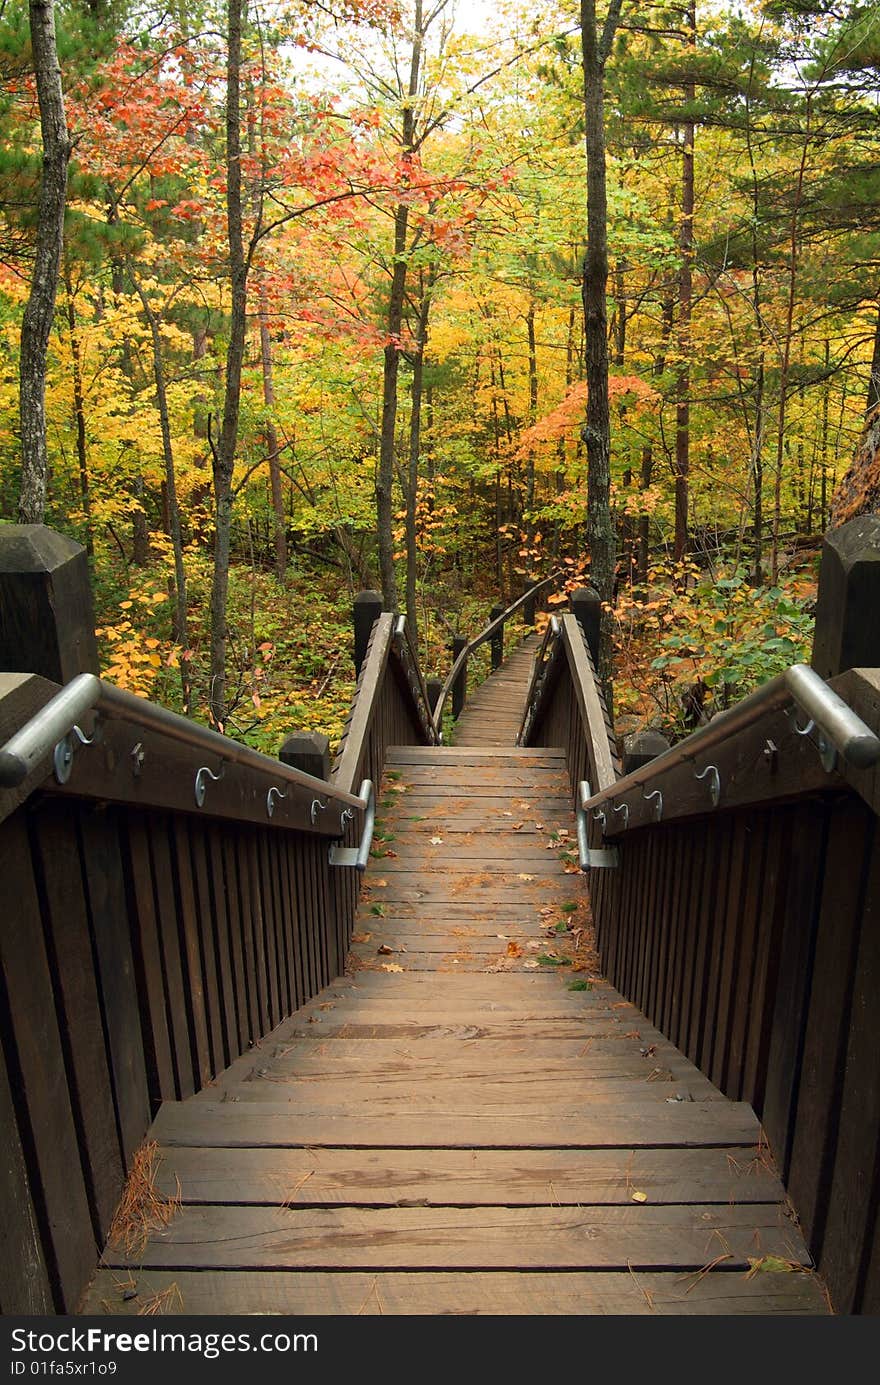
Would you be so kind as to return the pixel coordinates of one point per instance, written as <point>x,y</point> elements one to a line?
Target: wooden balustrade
<point>146,942</point>
<point>750,935</point>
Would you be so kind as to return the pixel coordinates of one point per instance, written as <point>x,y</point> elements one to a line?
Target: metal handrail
<point>37,739</point>
<point>485,634</point>
<point>840,729</point>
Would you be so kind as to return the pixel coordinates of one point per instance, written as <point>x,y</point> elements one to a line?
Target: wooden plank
<point>228,961</point>
<point>158,1055</point>
<point>820,1090</point>
<point>339,1177</point>
<point>207,928</point>
<point>494,1238</point>
<point>805,868</point>
<point>731,948</point>
<point>263,892</point>
<point>191,952</point>
<point>400,1094</point>
<point>242,942</point>
<point>740,1018</point>
<point>500,1293</point>
<point>855,1186</point>
<point>253,935</point>
<point>72,965</point>
<point>108,912</point>
<point>767,958</point>
<point>680,1124</point>
<point>24,1280</point>
<point>37,1075</point>
<point>172,962</point>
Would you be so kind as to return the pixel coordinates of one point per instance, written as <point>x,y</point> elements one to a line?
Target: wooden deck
<point>471,1120</point>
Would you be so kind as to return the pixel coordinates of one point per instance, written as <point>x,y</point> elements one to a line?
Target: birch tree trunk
<point>37,321</point>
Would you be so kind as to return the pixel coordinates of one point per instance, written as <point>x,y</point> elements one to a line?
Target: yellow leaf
<point>391,966</point>
<point>640,1197</point>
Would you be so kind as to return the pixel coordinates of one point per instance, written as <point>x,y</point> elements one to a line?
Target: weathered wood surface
<point>495,1293</point>
<point>492,714</point>
<point>466,1110</point>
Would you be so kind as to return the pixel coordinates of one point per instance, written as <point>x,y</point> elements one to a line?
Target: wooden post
<point>497,640</point>
<point>308,751</point>
<point>847,633</point>
<point>459,687</point>
<point>641,747</point>
<point>366,611</point>
<point>528,611</point>
<point>587,607</point>
<point>47,619</point>
<point>434,688</point>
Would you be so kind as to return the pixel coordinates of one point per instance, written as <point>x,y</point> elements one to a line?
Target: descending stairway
<point>493,713</point>
<point>471,1120</point>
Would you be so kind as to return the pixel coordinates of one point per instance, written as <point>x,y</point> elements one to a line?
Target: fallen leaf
<point>361,937</point>
<point>501,935</point>
<point>391,966</point>
<point>539,826</point>
<point>380,884</point>
<point>507,814</point>
<point>514,949</point>
<point>530,964</point>
<point>524,877</point>
<point>518,826</point>
<point>436,841</point>
<point>640,1197</point>
<point>384,950</point>
<point>389,852</point>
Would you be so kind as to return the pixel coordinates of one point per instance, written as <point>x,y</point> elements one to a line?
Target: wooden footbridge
<point>413,1090</point>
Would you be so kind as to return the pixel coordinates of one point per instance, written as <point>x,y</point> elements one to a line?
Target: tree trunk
<point>597,428</point>
<point>415,447</point>
<point>786,342</point>
<point>533,416</point>
<point>180,602</point>
<point>223,451</point>
<point>685,301</point>
<point>272,442</point>
<point>37,321</point>
<point>79,411</point>
<point>874,382</point>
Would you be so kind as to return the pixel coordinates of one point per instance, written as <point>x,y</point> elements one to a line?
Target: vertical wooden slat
<point>805,867</point>
<point>730,949</point>
<point>72,966</point>
<point>205,919</point>
<point>767,960</point>
<point>855,1187</point>
<point>741,1000</point>
<point>820,1088</point>
<point>191,952</point>
<point>24,1281</point>
<point>172,965</point>
<point>238,878</point>
<point>229,966</point>
<point>715,942</point>
<point>38,1079</point>
<point>691,932</point>
<point>158,1055</point>
<point>102,862</point>
<point>263,900</point>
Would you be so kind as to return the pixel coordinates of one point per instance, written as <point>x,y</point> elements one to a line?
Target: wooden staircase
<point>470,1120</point>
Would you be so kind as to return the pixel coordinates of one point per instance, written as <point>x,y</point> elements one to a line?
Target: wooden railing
<point>146,942</point>
<point>749,931</point>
